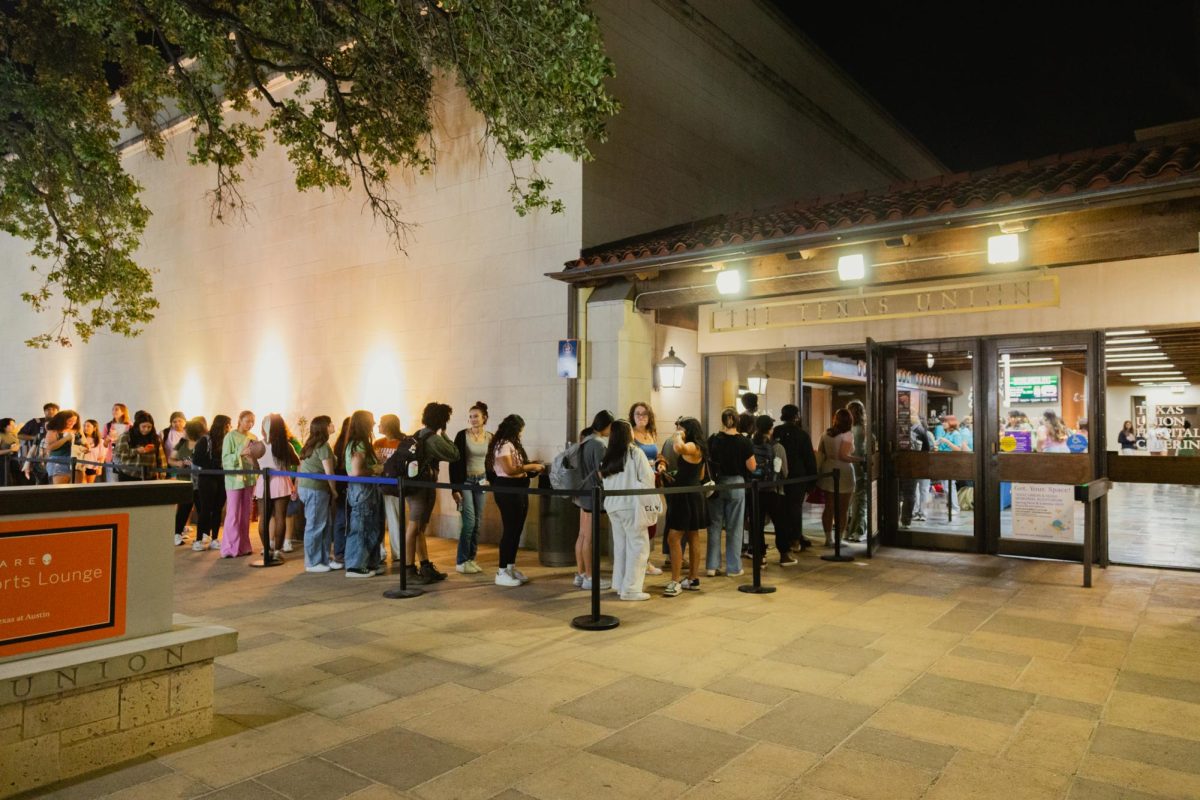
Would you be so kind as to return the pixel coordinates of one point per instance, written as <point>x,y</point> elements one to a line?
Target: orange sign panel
<point>62,581</point>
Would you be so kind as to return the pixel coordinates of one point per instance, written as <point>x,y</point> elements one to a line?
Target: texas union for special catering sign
<point>1015,291</point>
<point>62,581</point>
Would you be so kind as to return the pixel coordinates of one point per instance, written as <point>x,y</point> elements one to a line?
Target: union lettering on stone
<point>1027,291</point>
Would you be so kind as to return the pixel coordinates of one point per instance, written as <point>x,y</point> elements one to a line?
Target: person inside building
<point>732,457</point>
<point>624,467</point>
<point>510,464</point>
<point>1052,434</point>
<point>913,491</point>
<point>591,453</point>
<point>802,461</point>
<point>1127,439</point>
<point>949,438</point>
<point>469,469</point>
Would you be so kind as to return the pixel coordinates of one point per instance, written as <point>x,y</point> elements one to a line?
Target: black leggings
<point>210,503</point>
<point>513,510</point>
<point>183,511</point>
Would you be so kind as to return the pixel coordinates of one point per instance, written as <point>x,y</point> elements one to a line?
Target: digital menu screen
<point>1040,389</point>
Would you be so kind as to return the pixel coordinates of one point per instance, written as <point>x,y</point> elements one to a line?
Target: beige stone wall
<point>52,738</point>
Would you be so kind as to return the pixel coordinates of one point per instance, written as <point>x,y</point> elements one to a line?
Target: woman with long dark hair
<point>139,454</point>
<point>181,458</point>
<point>837,447</point>
<point>61,430</point>
<point>473,443</point>
<point>1127,438</point>
<point>341,512</point>
<point>275,453</point>
<point>508,461</point>
<point>432,448</point>
<point>625,467</point>
<point>364,500</point>
<point>687,513</point>
<point>239,489</point>
<point>93,450</point>
<point>113,430</point>
<point>317,495</point>
<point>210,489</point>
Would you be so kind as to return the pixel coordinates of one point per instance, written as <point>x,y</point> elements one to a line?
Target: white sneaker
<point>287,546</point>
<point>336,565</point>
<point>712,573</point>
<point>178,539</point>
<point>587,584</point>
<point>578,580</point>
<point>318,568</point>
<point>635,597</point>
<point>506,578</point>
<point>473,568</point>
<point>215,544</point>
<point>199,545</point>
<point>672,589</point>
<point>652,570</point>
<point>737,574</point>
<point>516,573</point>
<point>462,568</point>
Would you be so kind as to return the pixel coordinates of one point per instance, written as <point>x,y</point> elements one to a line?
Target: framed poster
<point>1043,511</point>
<point>568,358</point>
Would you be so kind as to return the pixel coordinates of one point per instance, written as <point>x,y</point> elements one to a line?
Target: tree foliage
<point>360,78</point>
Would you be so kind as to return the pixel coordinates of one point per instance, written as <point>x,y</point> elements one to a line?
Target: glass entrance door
<point>1040,442</point>
<point>931,474</point>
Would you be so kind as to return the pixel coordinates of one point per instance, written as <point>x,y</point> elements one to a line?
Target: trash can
<point>558,526</point>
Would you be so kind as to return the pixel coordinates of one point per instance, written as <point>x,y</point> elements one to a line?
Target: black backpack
<point>409,461</point>
<point>764,462</point>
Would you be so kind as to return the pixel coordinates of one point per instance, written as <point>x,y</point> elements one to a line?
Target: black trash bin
<point>558,525</point>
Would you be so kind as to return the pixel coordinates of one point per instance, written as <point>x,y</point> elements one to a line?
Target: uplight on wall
<point>756,379</point>
<point>929,360</point>
<point>1004,248</point>
<point>852,267</point>
<point>670,371</point>
<point>729,281</point>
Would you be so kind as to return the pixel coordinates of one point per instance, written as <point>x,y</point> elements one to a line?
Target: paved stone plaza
<point>914,675</point>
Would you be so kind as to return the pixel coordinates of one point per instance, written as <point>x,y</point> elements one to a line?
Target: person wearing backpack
<point>625,467</point>
<point>432,447</point>
<point>469,469</point>
<point>771,464</point>
<point>385,446</point>
<point>732,458</point>
<point>591,453</point>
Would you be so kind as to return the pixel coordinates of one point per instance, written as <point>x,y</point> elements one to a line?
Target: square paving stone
<point>749,690</point>
<point>963,618</point>
<point>1149,748</point>
<point>901,748</point>
<point>246,790</point>
<point>1170,688</point>
<point>415,674</point>
<point>625,701</point>
<point>828,656</point>
<point>313,779</point>
<point>1034,628</point>
<point>672,749</point>
<point>346,637</point>
<point>809,722</point>
<point>1084,789</point>
<point>972,699</point>
<point>345,664</point>
<point>399,757</point>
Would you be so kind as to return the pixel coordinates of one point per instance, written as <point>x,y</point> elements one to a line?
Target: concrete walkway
<point>914,675</point>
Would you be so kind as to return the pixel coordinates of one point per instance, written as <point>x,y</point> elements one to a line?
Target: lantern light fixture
<point>670,371</point>
<point>756,379</point>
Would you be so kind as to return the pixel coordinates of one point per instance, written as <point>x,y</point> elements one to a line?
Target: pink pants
<point>235,541</point>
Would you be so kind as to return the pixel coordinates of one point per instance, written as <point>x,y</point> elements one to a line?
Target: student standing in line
<point>385,445</point>
<point>275,452</point>
<point>93,450</point>
<point>802,461</point>
<point>113,429</point>
<point>432,448</point>
<point>32,435</point>
<point>837,445</point>
<point>469,468</point>
<point>745,423</point>
<point>181,458</point>
<point>591,453</point>
<point>317,495</point>
<point>771,464</point>
<point>210,489</point>
<point>508,461</point>
<point>61,430</point>
<point>856,523</point>
<point>10,446</point>
<point>687,513</point>
<point>174,432</point>
<point>732,456</point>
<point>641,417</point>
<point>239,489</point>
<point>341,512</point>
<point>625,467</point>
<point>139,454</point>
<point>363,500</point>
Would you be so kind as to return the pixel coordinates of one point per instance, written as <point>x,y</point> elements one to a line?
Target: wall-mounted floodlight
<point>852,267</point>
<point>1004,248</point>
<point>729,281</point>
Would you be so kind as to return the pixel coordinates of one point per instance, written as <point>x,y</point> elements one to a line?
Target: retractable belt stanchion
<point>6,464</point>
<point>757,545</point>
<point>403,592</point>
<point>837,529</point>
<point>270,557</point>
<point>596,621</point>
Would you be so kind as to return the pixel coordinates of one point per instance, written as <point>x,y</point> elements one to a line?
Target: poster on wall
<point>62,581</point>
<point>904,419</point>
<point>568,358</point>
<point>1043,511</point>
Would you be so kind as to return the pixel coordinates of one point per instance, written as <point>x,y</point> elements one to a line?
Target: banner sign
<point>1025,290</point>
<point>568,358</point>
<point>1043,511</point>
<point>62,581</point>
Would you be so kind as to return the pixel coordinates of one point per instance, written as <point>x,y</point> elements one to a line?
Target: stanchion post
<point>596,621</point>
<point>6,462</point>
<point>758,547</point>
<point>270,557</point>
<point>1088,543</point>
<point>403,592</point>
<point>837,528</point>
<point>72,473</point>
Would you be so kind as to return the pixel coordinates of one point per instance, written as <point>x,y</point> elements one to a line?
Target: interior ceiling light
<point>929,360</point>
<point>1142,367</point>
<point>1131,349</point>
<point>1138,357</point>
<point>1038,360</point>
<point>1135,340</point>
<point>852,267</point>
<point>1004,248</point>
<point>729,281</point>
<point>1145,374</point>
<point>1125,333</point>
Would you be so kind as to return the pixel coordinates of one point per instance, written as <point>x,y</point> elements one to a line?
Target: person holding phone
<point>510,464</point>
<point>139,454</point>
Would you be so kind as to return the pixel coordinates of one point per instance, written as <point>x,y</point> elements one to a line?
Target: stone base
<point>69,713</point>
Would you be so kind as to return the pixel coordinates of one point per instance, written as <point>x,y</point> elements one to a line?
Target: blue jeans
<point>365,504</point>
<point>317,532</point>
<point>472,515</point>
<point>726,510</point>
<point>341,520</point>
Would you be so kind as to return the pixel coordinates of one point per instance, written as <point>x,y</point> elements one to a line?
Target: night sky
<point>982,85</point>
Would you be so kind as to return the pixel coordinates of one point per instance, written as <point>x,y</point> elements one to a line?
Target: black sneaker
<point>360,572</point>
<point>431,572</point>
<point>416,576</point>
<point>691,584</point>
